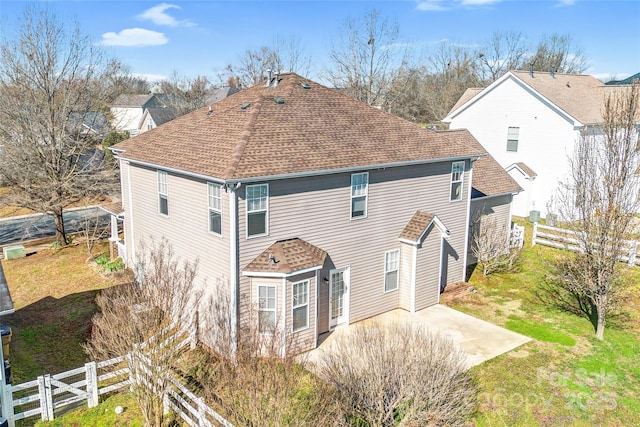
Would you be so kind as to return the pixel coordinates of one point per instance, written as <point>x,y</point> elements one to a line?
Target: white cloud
<point>477,2</point>
<point>157,15</point>
<point>431,5</point>
<point>151,78</point>
<point>441,5</point>
<point>134,37</point>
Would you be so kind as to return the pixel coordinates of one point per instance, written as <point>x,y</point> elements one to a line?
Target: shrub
<point>399,374</point>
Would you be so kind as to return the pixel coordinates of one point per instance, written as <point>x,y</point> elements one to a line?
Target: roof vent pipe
<point>553,71</point>
<point>531,69</point>
<point>275,79</point>
<point>268,83</point>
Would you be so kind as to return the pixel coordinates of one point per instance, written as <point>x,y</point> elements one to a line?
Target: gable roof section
<point>418,226</point>
<point>466,96</point>
<point>315,130</point>
<point>523,168</point>
<point>579,96</point>
<point>160,115</point>
<point>489,178</point>
<point>286,258</point>
<point>132,100</point>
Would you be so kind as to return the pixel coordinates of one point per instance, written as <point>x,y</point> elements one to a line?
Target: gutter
<point>229,182</point>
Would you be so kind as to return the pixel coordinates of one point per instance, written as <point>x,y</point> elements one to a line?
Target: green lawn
<point>565,376</point>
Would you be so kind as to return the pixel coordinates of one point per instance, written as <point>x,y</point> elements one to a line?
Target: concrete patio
<point>478,340</point>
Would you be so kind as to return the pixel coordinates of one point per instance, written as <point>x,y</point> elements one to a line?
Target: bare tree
<point>48,86</point>
<point>598,201</point>
<point>453,69</point>
<point>252,65</point>
<point>254,381</point>
<point>142,320</point>
<point>558,51</point>
<point>399,374</point>
<point>290,55</point>
<point>503,52</point>
<point>185,94</point>
<point>366,57</point>
<point>490,244</point>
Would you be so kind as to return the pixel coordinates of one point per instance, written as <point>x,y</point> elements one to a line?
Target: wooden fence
<point>571,240</point>
<point>48,395</point>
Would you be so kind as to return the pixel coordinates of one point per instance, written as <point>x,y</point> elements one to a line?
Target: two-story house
<point>313,208</point>
<point>530,122</point>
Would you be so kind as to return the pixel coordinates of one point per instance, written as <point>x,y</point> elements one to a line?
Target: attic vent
<point>305,85</point>
<point>278,100</point>
<point>245,105</point>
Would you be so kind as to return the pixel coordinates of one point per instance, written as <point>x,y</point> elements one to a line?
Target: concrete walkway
<point>479,340</point>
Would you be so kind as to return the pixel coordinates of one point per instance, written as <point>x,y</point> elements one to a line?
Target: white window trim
<point>274,309</point>
<point>166,190</point>
<point>266,217</point>
<point>307,304</point>
<point>397,270</point>
<point>461,180</point>
<point>517,140</point>
<point>214,209</point>
<point>366,197</point>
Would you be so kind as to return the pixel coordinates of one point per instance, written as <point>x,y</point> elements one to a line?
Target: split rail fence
<point>49,395</point>
<point>563,238</point>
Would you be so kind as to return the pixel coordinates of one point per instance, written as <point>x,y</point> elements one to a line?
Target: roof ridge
<point>236,156</point>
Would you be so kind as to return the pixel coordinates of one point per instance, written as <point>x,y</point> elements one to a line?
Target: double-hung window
<point>266,309</point>
<point>215,208</point>
<point>391,266</point>
<point>257,209</point>
<point>513,134</point>
<point>300,305</point>
<point>359,192</point>
<point>163,193</point>
<point>457,175</point>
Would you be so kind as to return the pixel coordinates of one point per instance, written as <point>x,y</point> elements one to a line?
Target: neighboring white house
<point>127,111</point>
<point>530,122</point>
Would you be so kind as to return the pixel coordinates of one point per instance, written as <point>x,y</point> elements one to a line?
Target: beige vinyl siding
<point>303,339</point>
<point>317,209</point>
<point>428,276</point>
<point>498,207</point>
<point>186,227</point>
<point>406,268</point>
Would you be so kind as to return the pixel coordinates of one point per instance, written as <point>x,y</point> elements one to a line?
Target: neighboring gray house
<point>127,111</point>
<point>154,117</point>
<point>308,205</point>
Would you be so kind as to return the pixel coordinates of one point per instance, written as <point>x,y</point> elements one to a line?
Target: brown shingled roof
<point>416,225</point>
<point>581,96</point>
<point>289,256</point>
<point>526,169</point>
<point>466,96</point>
<point>315,129</point>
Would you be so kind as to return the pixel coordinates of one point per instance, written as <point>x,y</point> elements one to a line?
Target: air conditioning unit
<point>13,252</point>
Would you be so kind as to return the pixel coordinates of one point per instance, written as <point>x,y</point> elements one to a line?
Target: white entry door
<point>338,297</point>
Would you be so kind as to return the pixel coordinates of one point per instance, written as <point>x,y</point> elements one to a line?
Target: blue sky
<point>201,37</point>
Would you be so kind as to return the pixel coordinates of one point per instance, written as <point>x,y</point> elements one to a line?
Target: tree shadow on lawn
<point>551,294</point>
<point>48,335</point>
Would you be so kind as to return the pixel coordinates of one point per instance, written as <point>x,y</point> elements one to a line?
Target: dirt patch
<point>456,292</point>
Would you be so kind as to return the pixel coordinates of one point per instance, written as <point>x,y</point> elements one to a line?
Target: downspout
<point>414,273</point>
<point>284,317</point>
<point>131,247</point>
<point>466,231</point>
<point>233,265</point>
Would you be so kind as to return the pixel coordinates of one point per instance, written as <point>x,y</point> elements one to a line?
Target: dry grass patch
<point>54,297</point>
